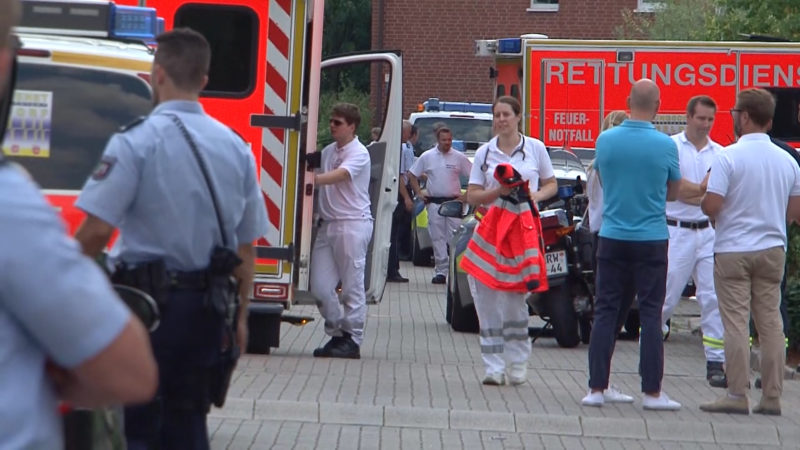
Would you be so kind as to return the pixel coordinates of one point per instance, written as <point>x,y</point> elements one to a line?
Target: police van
<point>84,67</point>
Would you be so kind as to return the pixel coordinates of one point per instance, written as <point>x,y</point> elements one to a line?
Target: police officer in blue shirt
<point>172,207</point>
<point>64,334</point>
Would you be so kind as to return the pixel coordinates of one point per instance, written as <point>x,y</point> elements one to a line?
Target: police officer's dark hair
<point>700,100</point>
<point>414,130</point>
<point>758,103</point>
<point>347,111</point>
<point>185,55</point>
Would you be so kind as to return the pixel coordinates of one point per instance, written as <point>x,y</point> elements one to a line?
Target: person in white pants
<point>443,169</point>
<point>691,237</point>
<point>503,316</point>
<point>340,249</point>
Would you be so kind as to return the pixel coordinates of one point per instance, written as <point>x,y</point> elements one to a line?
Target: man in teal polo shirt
<point>639,170</point>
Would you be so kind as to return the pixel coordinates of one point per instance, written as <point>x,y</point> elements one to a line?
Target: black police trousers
<point>186,345</point>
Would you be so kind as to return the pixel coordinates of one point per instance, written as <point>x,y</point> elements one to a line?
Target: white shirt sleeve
<point>718,181</point>
<point>545,165</point>
<point>477,175</point>
<point>418,168</point>
<point>796,187</point>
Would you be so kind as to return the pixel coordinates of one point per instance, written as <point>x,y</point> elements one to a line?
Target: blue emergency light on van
<point>88,18</point>
<point>509,45</point>
<point>434,104</point>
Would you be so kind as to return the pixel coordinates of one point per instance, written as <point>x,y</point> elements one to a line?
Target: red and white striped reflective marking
<point>276,96</point>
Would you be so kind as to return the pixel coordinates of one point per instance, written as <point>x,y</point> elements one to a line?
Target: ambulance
<point>566,87</point>
<point>267,81</point>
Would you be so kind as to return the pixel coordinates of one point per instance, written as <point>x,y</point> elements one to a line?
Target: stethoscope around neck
<point>485,166</point>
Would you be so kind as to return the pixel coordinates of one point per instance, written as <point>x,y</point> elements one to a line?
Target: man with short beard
<point>753,189</point>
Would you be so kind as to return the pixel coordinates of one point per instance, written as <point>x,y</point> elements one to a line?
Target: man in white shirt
<point>340,249</point>
<point>691,237</point>
<point>443,168</point>
<point>753,189</point>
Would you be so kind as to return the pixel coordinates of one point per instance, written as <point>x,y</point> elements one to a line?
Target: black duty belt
<point>690,225</point>
<point>439,199</point>
<point>197,280</point>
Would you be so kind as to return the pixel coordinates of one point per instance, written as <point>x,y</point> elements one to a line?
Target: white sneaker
<point>661,403</point>
<point>614,395</point>
<point>494,379</point>
<point>517,374</point>
<point>593,399</point>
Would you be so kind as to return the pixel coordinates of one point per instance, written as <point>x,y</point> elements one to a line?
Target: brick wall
<point>437,38</point>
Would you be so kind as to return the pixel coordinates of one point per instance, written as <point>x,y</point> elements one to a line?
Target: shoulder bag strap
<point>203,169</point>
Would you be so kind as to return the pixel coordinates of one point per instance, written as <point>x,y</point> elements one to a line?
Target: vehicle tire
<point>585,328</point>
<point>562,316</point>
<point>463,318</point>
<point>632,324</point>
<point>448,312</point>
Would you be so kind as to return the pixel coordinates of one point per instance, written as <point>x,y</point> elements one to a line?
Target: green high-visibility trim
<point>713,343</point>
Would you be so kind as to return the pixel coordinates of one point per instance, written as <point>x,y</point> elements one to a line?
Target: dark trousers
<point>185,345</point>
<point>401,230</point>
<point>630,289</point>
<point>621,264</point>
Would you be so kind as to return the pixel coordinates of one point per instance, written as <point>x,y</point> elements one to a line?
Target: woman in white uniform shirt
<point>503,316</point>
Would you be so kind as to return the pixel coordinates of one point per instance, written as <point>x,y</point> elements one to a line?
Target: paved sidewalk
<point>418,385</point>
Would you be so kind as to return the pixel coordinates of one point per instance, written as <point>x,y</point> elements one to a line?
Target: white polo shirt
<point>756,177</point>
<point>530,159</point>
<point>347,200</point>
<point>442,170</point>
<point>694,166</point>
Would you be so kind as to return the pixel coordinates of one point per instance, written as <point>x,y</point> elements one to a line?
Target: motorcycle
<point>567,306</point>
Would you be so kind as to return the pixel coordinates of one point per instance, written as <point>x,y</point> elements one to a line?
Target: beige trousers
<point>749,283</point>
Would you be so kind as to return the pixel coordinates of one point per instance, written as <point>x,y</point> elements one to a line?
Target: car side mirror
<point>141,304</point>
<point>452,208</point>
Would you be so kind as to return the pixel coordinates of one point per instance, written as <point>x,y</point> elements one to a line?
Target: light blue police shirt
<point>54,304</point>
<point>149,185</point>
<point>635,162</point>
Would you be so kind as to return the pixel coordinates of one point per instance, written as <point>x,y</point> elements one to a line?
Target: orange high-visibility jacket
<point>506,251</point>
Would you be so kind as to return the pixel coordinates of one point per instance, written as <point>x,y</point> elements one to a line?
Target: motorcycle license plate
<point>556,263</point>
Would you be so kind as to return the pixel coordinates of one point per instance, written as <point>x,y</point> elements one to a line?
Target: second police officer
<point>182,189</point>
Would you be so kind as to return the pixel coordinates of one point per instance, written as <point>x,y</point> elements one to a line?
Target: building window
<point>649,5</point>
<point>544,5</point>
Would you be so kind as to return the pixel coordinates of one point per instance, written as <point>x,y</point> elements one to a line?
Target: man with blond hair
<point>753,189</point>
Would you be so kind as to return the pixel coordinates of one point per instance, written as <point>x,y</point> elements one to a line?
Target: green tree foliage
<point>347,29</point>
<point>714,20</point>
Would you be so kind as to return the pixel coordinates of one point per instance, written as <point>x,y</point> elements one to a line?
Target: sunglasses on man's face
<point>337,122</point>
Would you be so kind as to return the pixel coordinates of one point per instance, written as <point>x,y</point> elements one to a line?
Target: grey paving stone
<point>614,427</point>
<point>789,435</point>
<point>743,433</point>
<point>286,410</point>
<point>481,420</point>
<point>399,416</point>
<point>548,424</point>
<point>343,413</point>
<point>659,430</point>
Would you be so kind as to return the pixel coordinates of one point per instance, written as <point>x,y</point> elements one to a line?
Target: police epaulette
<point>132,124</point>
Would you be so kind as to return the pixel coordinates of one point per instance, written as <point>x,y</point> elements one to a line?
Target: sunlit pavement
<point>418,386</point>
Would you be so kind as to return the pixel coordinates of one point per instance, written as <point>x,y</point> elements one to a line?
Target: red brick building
<point>437,37</point>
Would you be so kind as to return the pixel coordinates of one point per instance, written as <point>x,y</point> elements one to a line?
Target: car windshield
<point>564,160</point>
<point>66,116</point>
<point>467,129</point>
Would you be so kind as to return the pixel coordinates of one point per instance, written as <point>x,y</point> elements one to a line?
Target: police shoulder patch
<point>104,168</point>
<point>132,124</point>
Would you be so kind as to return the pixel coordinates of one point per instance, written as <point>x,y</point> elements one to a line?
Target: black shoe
<point>325,350</point>
<point>396,278</point>
<point>758,383</point>
<point>346,348</point>
<point>439,279</point>
<point>715,374</point>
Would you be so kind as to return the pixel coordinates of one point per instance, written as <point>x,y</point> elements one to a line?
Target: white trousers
<point>340,254</point>
<point>503,318</point>
<point>441,230</point>
<point>691,253</point>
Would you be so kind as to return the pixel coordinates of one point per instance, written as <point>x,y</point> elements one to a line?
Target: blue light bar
<point>509,45</point>
<point>132,22</point>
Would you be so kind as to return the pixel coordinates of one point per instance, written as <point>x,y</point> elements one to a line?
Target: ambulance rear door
<point>373,82</point>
